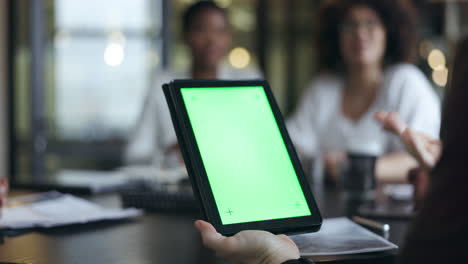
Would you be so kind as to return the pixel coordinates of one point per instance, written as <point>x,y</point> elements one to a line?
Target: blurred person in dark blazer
<point>439,234</point>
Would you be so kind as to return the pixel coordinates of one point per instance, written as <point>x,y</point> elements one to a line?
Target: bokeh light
<point>239,57</point>
<point>436,60</point>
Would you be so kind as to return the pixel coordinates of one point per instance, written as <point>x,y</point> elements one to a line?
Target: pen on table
<point>384,228</point>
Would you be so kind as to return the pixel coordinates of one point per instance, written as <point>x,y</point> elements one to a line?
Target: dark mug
<point>358,174</point>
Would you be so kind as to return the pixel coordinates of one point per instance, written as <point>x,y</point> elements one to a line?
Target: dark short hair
<point>398,19</point>
<point>196,9</point>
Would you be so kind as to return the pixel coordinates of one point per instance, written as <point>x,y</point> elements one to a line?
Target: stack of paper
<point>58,209</point>
<point>340,236</point>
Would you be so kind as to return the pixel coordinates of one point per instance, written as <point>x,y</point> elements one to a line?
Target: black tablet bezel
<point>199,178</point>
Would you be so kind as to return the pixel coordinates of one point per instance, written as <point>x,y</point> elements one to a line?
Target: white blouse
<point>319,126</point>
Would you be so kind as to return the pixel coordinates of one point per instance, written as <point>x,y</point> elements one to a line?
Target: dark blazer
<point>439,234</point>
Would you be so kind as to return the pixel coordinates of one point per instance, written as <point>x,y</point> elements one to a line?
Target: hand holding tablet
<point>240,159</point>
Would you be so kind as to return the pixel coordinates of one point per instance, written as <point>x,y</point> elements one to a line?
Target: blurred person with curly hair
<point>366,50</point>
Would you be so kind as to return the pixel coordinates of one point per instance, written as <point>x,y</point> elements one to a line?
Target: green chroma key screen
<point>248,166</point>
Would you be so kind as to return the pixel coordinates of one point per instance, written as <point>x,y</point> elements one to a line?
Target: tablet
<point>239,157</point>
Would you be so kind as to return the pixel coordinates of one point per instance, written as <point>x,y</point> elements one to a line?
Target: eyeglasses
<point>352,26</point>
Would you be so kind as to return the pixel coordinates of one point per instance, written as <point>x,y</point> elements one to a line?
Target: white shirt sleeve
<point>154,132</point>
<point>416,102</point>
<point>140,144</point>
<point>302,125</point>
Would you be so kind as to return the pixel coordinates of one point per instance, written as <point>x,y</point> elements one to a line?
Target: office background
<point>74,74</point>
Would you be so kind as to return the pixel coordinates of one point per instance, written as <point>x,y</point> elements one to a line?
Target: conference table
<point>155,237</point>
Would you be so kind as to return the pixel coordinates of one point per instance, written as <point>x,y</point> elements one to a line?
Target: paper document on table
<point>58,209</point>
<point>340,236</point>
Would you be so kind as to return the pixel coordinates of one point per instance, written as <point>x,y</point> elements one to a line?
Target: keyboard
<point>168,198</point>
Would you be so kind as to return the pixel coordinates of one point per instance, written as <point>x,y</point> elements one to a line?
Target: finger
<point>287,239</point>
<point>211,238</point>
<point>412,144</point>
<point>381,116</point>
<point>435,147</point>
<point>418,144</point>
<point>204,226</point>
<point>391,122</point>
<point>395,124</point>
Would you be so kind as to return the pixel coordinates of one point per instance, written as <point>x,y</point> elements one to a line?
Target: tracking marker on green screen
<point>246,160</point>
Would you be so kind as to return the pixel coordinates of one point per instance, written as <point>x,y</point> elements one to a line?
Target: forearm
<point>393,168</point>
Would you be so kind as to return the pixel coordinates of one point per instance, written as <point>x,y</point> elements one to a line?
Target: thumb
<point>211,238</point>
<point>287,240</point>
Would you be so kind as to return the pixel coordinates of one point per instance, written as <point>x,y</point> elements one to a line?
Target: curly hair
<point>398,18</point>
